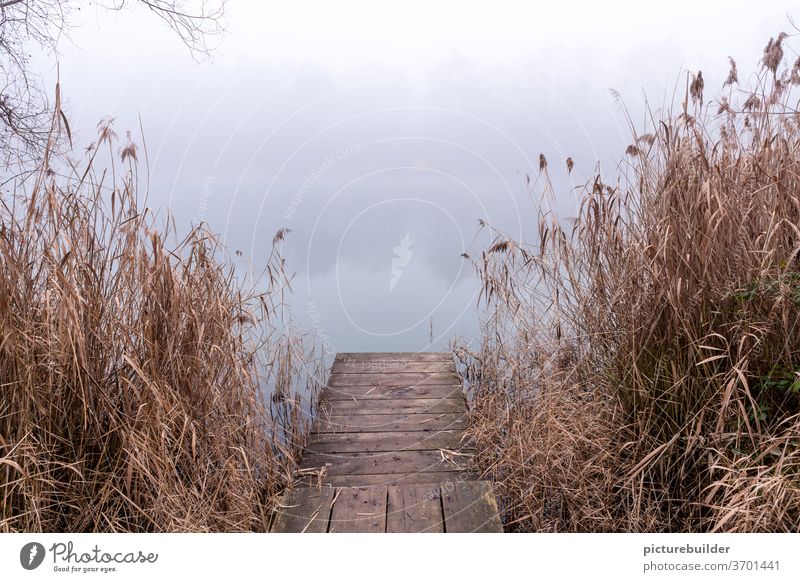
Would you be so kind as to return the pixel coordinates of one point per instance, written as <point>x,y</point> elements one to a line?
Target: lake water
<point>381,148</point>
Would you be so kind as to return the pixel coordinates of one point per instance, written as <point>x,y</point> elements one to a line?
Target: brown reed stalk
<point>640,369</point>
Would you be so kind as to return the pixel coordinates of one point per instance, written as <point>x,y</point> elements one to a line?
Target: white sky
<point>416,33</point>
<point>451,101</point>
<point>421,31</point>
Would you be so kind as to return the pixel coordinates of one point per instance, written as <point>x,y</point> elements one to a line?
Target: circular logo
<point>31,555</point>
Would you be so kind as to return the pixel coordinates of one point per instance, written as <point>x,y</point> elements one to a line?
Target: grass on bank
<point>131,366</point>
<point>640,371</point>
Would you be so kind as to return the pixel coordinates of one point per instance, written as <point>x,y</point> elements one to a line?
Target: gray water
<point>381,145</point>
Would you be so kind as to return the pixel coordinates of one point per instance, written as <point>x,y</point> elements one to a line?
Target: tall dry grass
<point>132,363</point>
<point>640,370</point>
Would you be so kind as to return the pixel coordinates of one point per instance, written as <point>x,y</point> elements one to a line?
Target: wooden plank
<point>394,379</point>
<point>392,406</point>
<point>414,509</point>
<point>359,510</point>
<point>304,509</point>
<point>385,441</point>
<point>470,506</point>
<point>366,392</point>
<point>409,357</point>
<point>397,478</point>
<point>391,462</point>
<point>387,367</point>
<point>389,440</point>
<point>390,422</point>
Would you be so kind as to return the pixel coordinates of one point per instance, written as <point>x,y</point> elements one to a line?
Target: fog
<point>382,136</point>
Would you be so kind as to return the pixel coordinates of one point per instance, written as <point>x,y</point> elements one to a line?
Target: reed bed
<point>639,369</point>
<point>133,364</point>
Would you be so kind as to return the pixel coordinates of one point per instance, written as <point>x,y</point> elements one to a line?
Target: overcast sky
<point>361,125</point>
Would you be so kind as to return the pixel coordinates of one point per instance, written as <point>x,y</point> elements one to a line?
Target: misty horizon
<point>353,146</point>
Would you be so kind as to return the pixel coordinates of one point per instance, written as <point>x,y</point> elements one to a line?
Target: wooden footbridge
<point>388,452</point>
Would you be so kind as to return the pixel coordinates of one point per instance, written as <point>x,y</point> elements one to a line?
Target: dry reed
<point>132,366</point>
<point>640,370</point>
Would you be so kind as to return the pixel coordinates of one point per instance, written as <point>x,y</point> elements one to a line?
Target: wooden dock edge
<point>389,452</point>
<point>449,507</point>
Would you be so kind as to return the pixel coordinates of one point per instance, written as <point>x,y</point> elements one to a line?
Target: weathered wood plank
<point>396,478</point>
<point>367,392</point>
<point>304,510</point>
<point>385,441</point>
<point>388,440</point>
<point>409,357</point>
<point>389,367</point>
<point>414,509</point>
<point>392,406</point>
<point>391,462</point>
<point>394,379</point>
<point>359,509</point>
<point>390,422</point>
<point>470,506</point>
